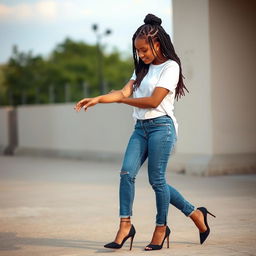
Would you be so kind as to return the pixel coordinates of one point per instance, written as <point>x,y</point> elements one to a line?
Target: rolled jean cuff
<point>124,216</point>
<point>192,212</point>
<point>160,225</point>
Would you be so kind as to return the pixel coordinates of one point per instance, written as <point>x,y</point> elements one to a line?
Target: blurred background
<point>54,53</point>
<point>59,169</point>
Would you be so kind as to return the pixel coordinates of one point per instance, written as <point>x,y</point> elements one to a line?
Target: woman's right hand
<point>86,103</point>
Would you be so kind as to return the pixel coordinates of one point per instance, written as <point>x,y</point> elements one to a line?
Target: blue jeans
<point>153,139</point>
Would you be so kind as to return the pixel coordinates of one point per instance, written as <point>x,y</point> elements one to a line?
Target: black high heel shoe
<point>159,247</point>
<point>204,235</point>
<point>114,245</point>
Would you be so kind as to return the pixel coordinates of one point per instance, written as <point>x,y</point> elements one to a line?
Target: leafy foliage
<point>68,74</point>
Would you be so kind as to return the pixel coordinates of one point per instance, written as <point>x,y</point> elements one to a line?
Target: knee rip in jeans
<point>124,172</point>
<point>127,174</point>
<point>154,185</point>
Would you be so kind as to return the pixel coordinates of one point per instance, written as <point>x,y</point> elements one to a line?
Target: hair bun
<point>152,20</point>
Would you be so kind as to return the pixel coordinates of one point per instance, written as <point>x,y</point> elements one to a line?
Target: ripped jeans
<point>153,139</point>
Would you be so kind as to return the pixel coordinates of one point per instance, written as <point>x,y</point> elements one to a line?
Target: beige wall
<point>58,129</point>
<point>215,40</point>
<point>191,42</point>
<point>233,63</point>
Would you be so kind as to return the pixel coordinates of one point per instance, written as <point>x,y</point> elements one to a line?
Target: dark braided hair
<point>152,31</point>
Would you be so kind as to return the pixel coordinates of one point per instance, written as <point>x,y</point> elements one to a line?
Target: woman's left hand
<point>86,103</point>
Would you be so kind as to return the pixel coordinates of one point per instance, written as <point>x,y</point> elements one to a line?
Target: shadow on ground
<point>9,241</point>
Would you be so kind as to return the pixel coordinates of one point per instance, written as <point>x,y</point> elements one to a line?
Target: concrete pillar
<point>8,130</point>
<point>216,41</point>
<point>4,128</point>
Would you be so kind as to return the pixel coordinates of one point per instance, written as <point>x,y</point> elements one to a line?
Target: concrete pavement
<point>64,207</point>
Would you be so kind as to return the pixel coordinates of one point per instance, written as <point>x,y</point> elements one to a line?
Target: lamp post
<point>99,36</point>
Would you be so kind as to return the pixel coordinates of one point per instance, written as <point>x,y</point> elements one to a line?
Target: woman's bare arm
<point>147,102</point>
<point>115,96</point>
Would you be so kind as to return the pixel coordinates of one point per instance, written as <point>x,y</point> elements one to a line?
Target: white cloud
<point>26,12</point>
<point>4,11</point>
<point>22,10</point>
<point>44,10</point>
<point>40,24</point>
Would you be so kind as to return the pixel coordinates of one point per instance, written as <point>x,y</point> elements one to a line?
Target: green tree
<point>22,76</point>
<point>29,78</point>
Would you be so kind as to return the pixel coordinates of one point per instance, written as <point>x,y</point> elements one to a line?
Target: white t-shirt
<point>164,75</point>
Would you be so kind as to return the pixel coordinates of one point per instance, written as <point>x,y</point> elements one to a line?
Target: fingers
<point>77,107</point>
<point>80,104</point>
<point>85,107</point>
<point>89,104</point>
<point>85,103</point>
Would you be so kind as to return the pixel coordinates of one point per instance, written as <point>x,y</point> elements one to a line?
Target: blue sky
<point>38,25</point>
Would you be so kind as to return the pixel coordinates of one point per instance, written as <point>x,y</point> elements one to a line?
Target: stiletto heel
<point>204,235</point>
<point>114,245</point>
<point>159,247</point>
<point>131,243</point>
<point>210,213</point>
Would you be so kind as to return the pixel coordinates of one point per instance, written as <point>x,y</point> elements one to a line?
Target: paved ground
<point>63,207</point>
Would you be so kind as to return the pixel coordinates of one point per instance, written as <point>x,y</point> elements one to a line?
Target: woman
<point>157,80</point>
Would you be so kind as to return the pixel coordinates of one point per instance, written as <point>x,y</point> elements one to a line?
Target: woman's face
<point>146,54</point>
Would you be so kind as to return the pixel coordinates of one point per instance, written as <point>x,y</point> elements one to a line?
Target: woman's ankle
<point>127,219</point>
<point>125,222</point>
<point>198,218</point>
<point>160,228</point>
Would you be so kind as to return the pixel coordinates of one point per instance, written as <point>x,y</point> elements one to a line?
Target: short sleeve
<point>133,76</point>
<point>169,77</point>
